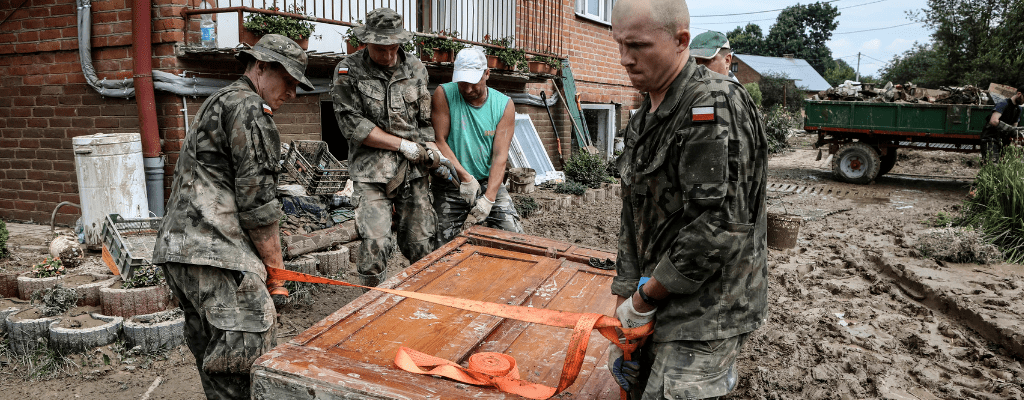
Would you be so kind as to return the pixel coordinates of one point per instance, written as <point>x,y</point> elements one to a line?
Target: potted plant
<point>144,292</point>
<point>545,65</point>
<point>352,43</point>
<point>438,49</point>
<point>507,57</point>
<point>258,24</point>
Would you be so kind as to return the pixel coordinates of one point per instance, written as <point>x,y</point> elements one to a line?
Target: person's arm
<point>499,151</point>
<point>267,240</point>
<point>348,111</point>
<point>994,120</point>
<point>441,121</point>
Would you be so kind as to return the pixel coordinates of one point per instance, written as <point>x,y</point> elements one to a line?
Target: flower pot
<point>157,331</point>
<point>8,307</point>
<point>131,302</point>
<point>248,37</point>
<point>87,285</point>
<point>494,63</point>
<point>539,67</point>
<point>349,49</point>
<point>28,283</point>
<point>79,339</point>
<point>437,56</point>
<point>24,331</point>
<point>9,283</point>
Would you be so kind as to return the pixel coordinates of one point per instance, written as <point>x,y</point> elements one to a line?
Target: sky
<point>877,29</point>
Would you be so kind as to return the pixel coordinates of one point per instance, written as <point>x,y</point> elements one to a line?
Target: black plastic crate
<point>315,168</point>
<point>129,241</point>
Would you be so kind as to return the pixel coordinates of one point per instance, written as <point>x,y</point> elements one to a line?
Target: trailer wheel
<point>888,161</point>
<point>856,163</point>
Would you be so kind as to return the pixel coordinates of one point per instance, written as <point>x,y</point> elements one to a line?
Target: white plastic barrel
<point>111,180</point>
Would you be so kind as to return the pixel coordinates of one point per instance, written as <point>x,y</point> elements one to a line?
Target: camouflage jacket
<point>225,182</point>
<point>366,97</point>
<point>693,208</point>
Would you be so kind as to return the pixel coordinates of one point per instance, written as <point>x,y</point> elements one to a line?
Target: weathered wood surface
<point>350,354</point>
<point>524,243</point>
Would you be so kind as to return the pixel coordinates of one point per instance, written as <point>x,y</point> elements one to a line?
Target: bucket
<point>783,230</point>
<point>111,180</point>
<point>520,180</point>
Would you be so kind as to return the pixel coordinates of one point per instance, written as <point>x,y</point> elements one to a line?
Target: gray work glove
<point>1005,127</point>
<point>469,190</point>
<point>445,170</point>
<point>413,151</point>
<point>479,212</point>
<point>630,317</point>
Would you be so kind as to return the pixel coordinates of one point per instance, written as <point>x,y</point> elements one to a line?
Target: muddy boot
<point>371,280</point>
<point>276,287</point>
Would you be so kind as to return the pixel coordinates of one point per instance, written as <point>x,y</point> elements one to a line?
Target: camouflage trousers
<point>685,369</point>
<point>992,143</point>
<point>452,211</point>
<point>229,323</point>
<point>414,219</point>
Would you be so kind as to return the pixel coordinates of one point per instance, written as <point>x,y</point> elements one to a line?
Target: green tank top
<point>471,135</point>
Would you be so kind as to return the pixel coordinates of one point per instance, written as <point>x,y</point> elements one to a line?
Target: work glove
<point>626,373</point>
<point>413,151</point>
<point>479,212</point>
<point>469,190</point>
<point>445,170</point>
<point>630,317</point>
<point>1005,127</point>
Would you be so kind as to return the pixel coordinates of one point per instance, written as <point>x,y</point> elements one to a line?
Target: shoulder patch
<point>343,70</point>
<point>703,114</point>
<point>267,110</point>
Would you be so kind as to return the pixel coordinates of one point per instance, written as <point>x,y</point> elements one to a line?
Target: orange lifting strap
<point>497,369</point>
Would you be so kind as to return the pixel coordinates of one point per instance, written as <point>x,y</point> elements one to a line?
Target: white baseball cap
<point>470,65</point>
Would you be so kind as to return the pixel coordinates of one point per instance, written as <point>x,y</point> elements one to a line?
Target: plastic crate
<point>315,168</point>
<point>128,242</point>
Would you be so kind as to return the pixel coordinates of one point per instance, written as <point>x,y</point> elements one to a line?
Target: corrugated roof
<point>804,74</point>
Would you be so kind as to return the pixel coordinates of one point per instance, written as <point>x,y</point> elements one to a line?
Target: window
<point>600,120</point>
<point>598,10</point>
<point>735,67</point>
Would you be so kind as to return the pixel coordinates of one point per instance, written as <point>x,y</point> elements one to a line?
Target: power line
<point>748,13</point>
<point>858,5</point>
<point>876,29</point>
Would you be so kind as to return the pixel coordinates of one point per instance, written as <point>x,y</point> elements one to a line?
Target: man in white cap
<point>473,127</point>
<point>711,49</point>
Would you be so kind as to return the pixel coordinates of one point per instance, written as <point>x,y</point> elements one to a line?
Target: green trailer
<point>863,137</point>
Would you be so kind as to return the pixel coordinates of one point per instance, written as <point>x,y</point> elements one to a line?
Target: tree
<point>747,40</point>
<point>920,65</point>
<point>803,30</point>
<point>979,41</point>
<point>779,89</point>
<point>840,72</point>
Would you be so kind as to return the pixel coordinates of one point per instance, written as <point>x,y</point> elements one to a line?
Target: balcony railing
<point>535,24</point>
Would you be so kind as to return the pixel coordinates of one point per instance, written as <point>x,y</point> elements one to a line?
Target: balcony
<point>535,24</point>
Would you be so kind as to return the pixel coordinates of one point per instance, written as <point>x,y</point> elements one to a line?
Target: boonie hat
<point>470,65</point>
<point>707,44</point>
<point>282,50</point>
<point>383,26</point>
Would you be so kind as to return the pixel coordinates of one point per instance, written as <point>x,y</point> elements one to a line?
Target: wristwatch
<point>647,299</point>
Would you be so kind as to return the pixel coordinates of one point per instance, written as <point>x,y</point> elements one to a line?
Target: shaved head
<point>670,15</point>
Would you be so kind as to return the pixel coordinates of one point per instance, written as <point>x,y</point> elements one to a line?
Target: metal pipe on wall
<point>142,49</point>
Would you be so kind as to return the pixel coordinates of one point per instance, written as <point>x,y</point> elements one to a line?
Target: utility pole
<point>858,66</point>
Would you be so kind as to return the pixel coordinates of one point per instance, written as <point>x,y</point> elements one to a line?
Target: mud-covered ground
<point>842,323</point>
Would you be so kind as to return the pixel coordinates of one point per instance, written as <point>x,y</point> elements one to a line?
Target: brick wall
<point>744,73</point>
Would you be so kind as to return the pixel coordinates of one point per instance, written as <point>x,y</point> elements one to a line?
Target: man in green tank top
<point>473,127</point>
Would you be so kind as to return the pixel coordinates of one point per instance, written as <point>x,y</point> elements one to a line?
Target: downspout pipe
<point>142,46</point>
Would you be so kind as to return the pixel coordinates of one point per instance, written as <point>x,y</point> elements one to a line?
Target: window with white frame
<point>600,120</point>
<point>598,10</point>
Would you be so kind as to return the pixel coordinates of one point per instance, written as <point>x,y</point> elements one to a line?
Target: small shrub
<point>525,206</point>
<point>49,267</point>
<point>942,219</point>
<point>571,187</point>
<point>427,44</point>
<point>293,28</point>
<point>587,169</point>
<point>959,245</point>
<point>779,89</point>
<point>4,235</point>
<point>996,204</point>
<point>56,300</point>
<point>755,92</point>
<point>512,57</point>
<point>777,122</point>
<point>144,276</point>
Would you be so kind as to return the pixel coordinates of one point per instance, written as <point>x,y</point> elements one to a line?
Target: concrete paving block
<point>332,263</point>
<point>590,196</point>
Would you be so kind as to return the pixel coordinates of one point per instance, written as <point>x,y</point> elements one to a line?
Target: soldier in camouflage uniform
<point>221,228</point>
<point>383,109</point>
<point>693,212</point>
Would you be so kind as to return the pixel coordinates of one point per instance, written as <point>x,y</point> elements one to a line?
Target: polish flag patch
<point>267,110</point>
<point>703,114</point>
<point>343,70</point>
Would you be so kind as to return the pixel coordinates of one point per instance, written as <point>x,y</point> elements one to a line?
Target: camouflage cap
<point>707,44</point>
<point>282,50</point>
<point>383,26</point>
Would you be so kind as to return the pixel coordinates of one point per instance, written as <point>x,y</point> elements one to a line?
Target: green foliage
<point>755,92</point>
<point>778,89</point>
<point>56,300</point>
<point>49,267</point>
<point>942,219</point>
<point>997,204</point>
<point>4,236</point>
<point>144,276</point>
<point>747,40</point>
<point>777,122</point>
<point>920,65</point>
<point>587,169</point>
<point>839,72</point>
<point>351,38</point>
<point>552,61</point>
<point>803,30</point>
<point>294,28</point>
<point>525,205</point>
<point>571,187</point>
<point>444,43</point>
<point>976,42</point>
<point>512,57</point>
